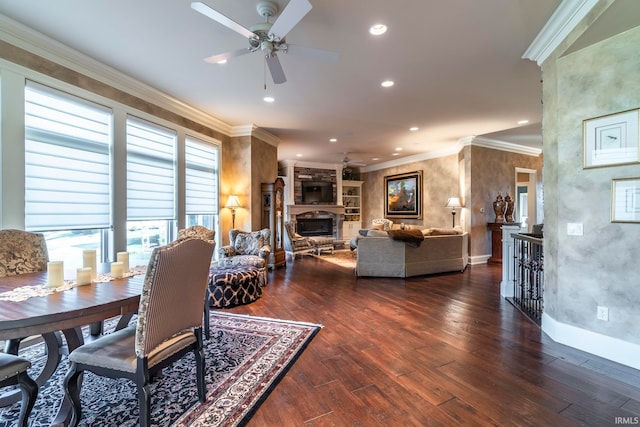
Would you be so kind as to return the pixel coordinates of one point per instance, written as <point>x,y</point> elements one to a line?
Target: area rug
<point>343,257</point>
<point>245,357</point>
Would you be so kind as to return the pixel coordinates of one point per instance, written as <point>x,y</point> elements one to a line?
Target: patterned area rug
<point>246,357</point>
<point>342,257</point>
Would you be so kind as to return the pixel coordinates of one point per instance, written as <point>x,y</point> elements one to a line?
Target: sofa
<point>380,255</point>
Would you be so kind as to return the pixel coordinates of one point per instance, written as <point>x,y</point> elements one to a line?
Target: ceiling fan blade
<point>275,68</point>
<point>310,52</point>
<point>232,54</point>
<point>217,16</point>
<point>290,16</point>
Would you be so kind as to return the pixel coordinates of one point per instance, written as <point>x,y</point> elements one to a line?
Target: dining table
<point>64,312</point>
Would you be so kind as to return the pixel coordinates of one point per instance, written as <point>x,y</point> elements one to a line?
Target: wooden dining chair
<point>169,326</point>
<point>13,371</point>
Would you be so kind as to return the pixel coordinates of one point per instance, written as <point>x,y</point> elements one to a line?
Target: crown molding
<point>38,44</point>
<point>565,18</point>
<point>462,142</point>
<point>503,146</point>
<point>255,131</point>
<point>455,149</point>
<point>415,158</point>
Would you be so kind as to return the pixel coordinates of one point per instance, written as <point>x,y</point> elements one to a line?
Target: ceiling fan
<point>346,162</point>
<point>266,36</point>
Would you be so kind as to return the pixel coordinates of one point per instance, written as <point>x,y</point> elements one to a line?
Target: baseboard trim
<point>610,348</point>
<point>479,259</point>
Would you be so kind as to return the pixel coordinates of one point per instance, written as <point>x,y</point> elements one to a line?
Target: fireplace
<point>314,226</point>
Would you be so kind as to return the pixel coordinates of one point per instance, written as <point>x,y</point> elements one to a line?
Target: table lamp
<point>233,203</point>
<point>453,203</point>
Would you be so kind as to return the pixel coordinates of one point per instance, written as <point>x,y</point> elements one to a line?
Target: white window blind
<point>67,161</point>
<point>201,177</point>
<point>151,164</point>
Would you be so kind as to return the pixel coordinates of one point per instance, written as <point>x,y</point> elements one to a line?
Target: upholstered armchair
<point>22,252</point>
<point>294,244</point>
<point>245,248</point>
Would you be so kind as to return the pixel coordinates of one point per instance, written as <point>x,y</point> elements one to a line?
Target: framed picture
<point>612,140</point>
<point>404,195</point>
<point>625,200</point>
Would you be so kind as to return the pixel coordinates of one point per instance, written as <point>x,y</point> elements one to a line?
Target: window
<point>201,188</point>
<point>67,172</point>
<point>151,177</point>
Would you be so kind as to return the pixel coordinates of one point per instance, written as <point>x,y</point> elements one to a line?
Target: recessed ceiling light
<point>387,83</point>
<point>394,154</point>
<point>333,140</point>
<point>523,122</point>
<point>413,129</point>
<point>222,61</point>
<point>298,155</point>
<point>269,99</point>
<point>378,29</point>
<point>398,148</point>
<point>375,158</point>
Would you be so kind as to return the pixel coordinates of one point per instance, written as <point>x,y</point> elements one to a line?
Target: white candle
<point>83,276</point>
<point>116,270</point>
<point>55,270</point>
<point>89,260</point>
<point>123,257</point>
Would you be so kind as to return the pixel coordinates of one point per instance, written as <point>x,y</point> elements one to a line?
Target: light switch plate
<point>574,229</point>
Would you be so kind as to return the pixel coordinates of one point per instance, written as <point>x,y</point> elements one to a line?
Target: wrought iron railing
<point>528,283</point>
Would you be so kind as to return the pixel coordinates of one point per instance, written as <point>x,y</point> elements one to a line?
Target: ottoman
<point>230,286</point>
<point>322,244</point>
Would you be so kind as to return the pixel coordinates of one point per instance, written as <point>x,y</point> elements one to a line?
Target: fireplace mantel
<point>300,209</point>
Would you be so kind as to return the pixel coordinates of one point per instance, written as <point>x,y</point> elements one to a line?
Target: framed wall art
<point>625,200</point>
<point>403,195</point>
<point>612,140</point>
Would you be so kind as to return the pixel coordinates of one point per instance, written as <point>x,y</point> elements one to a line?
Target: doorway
<point>525,199</point>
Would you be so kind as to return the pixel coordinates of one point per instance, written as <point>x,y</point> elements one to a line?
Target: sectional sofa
<point>382,256</point>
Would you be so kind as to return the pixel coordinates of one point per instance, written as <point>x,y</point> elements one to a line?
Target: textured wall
<point>247,162</point>
<point>598,268</point>
<point>235,178</point>
<point>492,171</point>
<point>440,181</point>
<point>476,175</point>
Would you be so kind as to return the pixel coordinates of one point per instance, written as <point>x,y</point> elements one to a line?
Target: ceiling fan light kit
<point>267,37</point>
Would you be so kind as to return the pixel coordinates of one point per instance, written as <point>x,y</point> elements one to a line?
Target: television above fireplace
<point>317,192</point>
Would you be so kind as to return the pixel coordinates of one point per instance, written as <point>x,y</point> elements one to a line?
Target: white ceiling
<point>457,65</point>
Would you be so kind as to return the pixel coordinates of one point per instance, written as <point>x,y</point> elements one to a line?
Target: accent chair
<point>295,244</point>
<point>250,248</point>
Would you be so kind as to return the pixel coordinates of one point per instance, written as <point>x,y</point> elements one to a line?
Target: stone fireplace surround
<point>297,210</point>
<point>335,212</point>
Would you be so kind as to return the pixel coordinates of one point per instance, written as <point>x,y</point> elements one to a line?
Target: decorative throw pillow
<point>386,223</point>
<point>248,243</point>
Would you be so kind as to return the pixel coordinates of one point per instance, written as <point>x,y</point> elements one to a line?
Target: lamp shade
<point>233,202</point>
<point>453,202</point>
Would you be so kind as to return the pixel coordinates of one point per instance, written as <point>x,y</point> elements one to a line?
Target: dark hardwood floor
<point>434,350</point>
